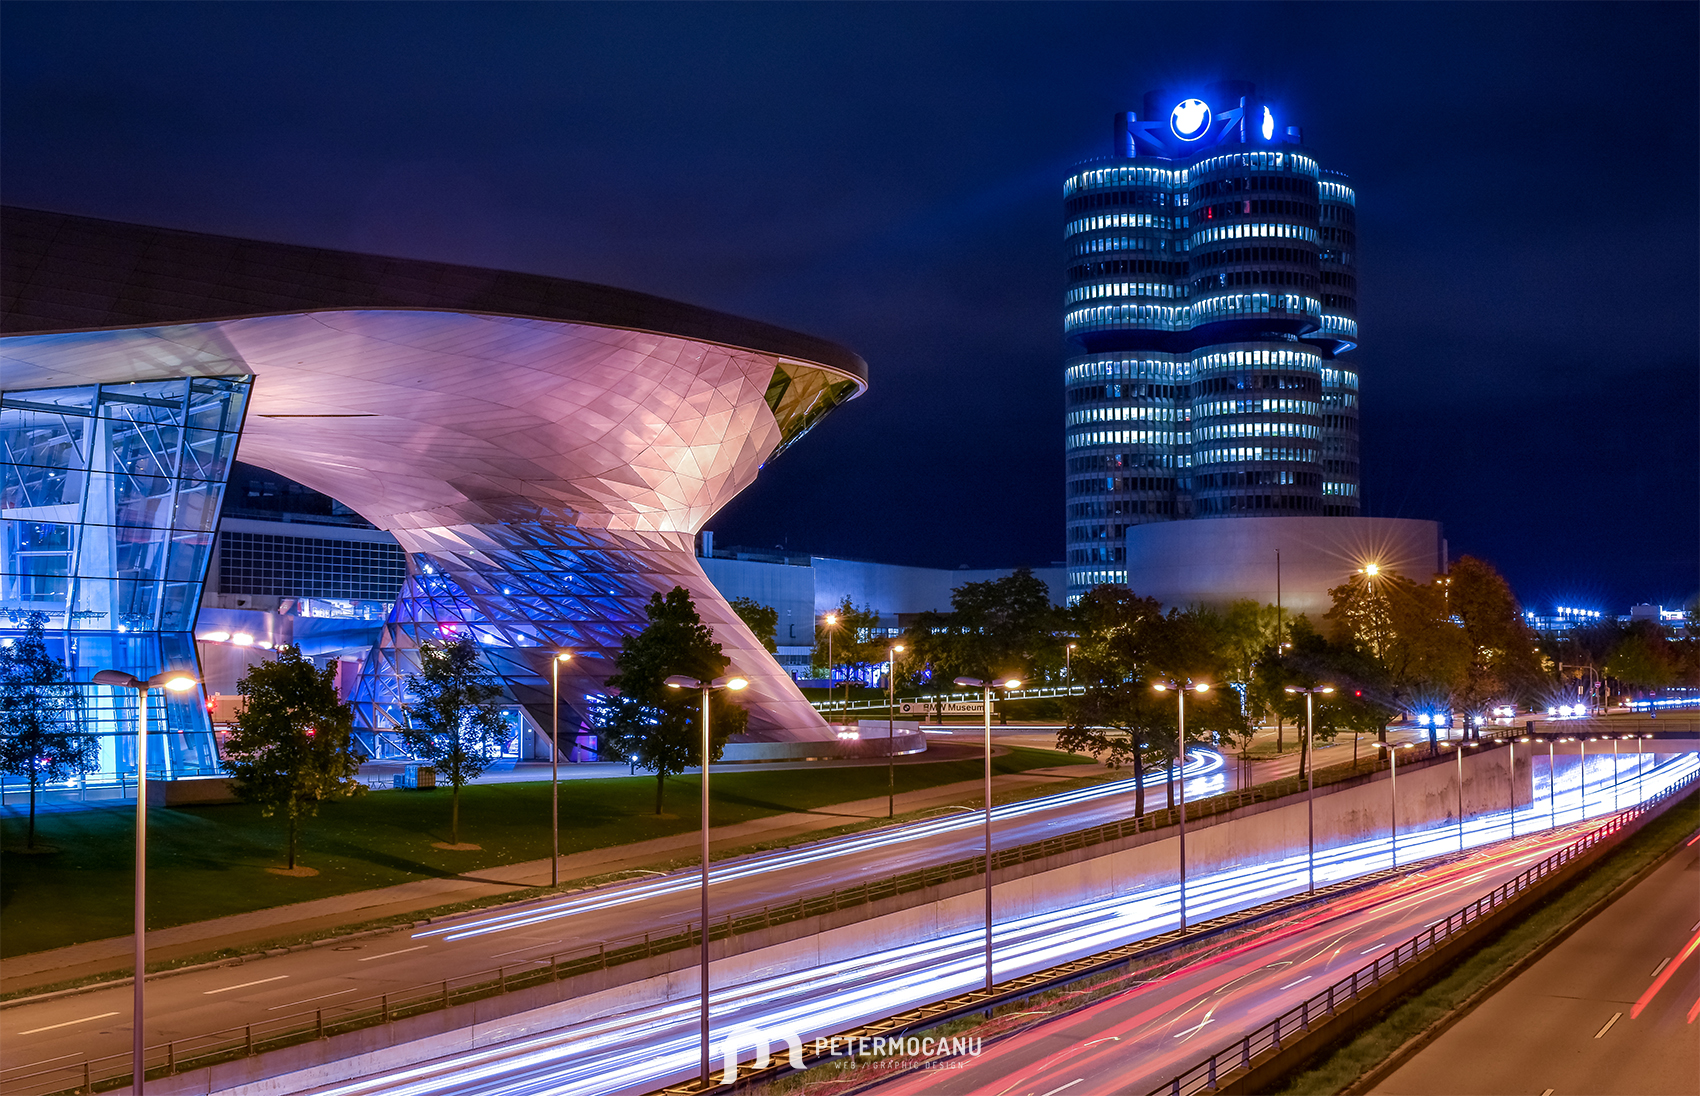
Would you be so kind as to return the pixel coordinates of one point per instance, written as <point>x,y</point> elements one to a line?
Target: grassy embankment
<point>206,862</point>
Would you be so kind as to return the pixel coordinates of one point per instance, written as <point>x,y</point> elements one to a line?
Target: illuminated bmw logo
<point>1190,120</point>
<point>1268,125</point>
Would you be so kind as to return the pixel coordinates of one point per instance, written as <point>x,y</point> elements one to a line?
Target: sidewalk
<point>320,916</point>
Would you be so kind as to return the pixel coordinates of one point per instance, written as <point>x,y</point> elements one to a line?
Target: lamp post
<point>890,733</point>
<point>1393,788</point>
<point>555,771</point>
<point>831,622</point>
<point>1582,780</point>
<point>1180,689</point>
<point>1513,781</point>
<point>679,681</point>
<point>1068,663</point>
<point>1552,786</point>
<point>1461,746</point>
<point>986,688</point>
<point>1614,774</point>
<point>1310,769</point>
<point>177,682</point>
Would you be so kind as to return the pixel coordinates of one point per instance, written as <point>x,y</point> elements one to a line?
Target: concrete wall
<point>1214,561</point>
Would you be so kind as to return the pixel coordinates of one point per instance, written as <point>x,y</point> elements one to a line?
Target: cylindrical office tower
<point>1337,269</point>
<point>1208,310</point>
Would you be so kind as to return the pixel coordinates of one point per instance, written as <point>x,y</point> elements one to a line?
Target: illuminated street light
<point>177,681</point>
<point>1068,662</point>
<point>1180,689</point>
<point>1310,769</point>
<point>831,622</point>
<point>1393,788</point>
<point>986,688</point>
<point>679,681</point>
<point>890,733</point>
<point>1461,746</point>
<point>555,771</point>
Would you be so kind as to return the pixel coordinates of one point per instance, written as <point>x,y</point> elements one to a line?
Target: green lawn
<point>208,862</point>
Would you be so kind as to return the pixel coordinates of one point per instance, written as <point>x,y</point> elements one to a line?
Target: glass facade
<point>1211,286</point>
<point>108,509</point>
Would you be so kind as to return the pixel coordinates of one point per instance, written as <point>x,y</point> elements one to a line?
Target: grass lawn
<point>206,862</point>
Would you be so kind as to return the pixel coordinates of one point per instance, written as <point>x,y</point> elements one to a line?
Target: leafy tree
<point>763,620</point>
<point>1357,677</point>
<point>1001,628</point>
<point>1643,658</point>
<point>38,715</point>
<point>293,747</point>
<point>656,724</point>
<point>455,719</point>
<point>1498,658</point>
<point>849,642</point>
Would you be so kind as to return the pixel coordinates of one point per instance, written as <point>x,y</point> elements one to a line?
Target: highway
<point>1571,1023</point>
<point>1146,1033</point>
<point>184,1005</point>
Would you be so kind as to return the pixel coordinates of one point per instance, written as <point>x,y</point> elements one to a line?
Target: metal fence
<point>1206,1075</point>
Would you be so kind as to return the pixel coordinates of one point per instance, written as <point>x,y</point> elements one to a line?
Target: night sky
<point>890,176</point>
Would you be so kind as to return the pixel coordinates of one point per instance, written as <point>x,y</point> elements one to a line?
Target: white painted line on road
<point>1194,1030</point>
<point>1609,1023</point>
<point>1306,978</point>
<point>1106,1039</point>
<point>1377,947</point>
<point>387,954</point>
<point>245,985</point>
<point>528,947</point>
<point>1070,1085</point>
<point>1546,1092</point>
<point>306,1000</point>
<point>67,1023</point>
<point>1660,967</point>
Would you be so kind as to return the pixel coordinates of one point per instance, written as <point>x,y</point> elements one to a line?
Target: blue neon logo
<point>1190,120</point>
<point>1268,125</point>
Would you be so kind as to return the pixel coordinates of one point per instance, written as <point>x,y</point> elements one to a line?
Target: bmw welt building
<point>544,451</point>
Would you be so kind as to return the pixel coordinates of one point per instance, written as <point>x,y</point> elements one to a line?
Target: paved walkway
<point>320,916</point>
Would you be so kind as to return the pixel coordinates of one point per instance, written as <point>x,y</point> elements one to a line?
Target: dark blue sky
<point>890,176</point>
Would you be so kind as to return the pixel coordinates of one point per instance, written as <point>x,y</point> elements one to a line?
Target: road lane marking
<point>67,1023</point>
<point>1106,1039</point>
<point>387,954</point>
<point>1660,967</point>
<point>1194,1029</point>
<point>1546,1092</point>
<point>245,985</point>
<point>1609,1023</point>
<point>306,1000</point>
<point>1071,1084</point>
<point>1306,978</point>
<point>1377,947</point>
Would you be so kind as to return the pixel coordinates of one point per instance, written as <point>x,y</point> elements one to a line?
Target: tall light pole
<point>1552,786</point>
<point>1614,774</point>
<point>1393,788</point>
<point>1310,769</point>
<point>890,733</point>
<point>555,771</point>
<point>986,688</point>
<point>1180,690</point>
<point>1511,773</point>
<point>679,681</point>
<point>177,681</point>
<point>1068,663</point>
<point>1461,746</point>
<point>831,622</point>
<point>1582,781</point>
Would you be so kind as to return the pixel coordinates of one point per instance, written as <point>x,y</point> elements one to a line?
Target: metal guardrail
<point>175,1056</point>
<point>1208,1074</point>
<point>946,698</point>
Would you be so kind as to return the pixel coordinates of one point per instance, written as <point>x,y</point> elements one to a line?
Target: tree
<point>39,740</point>
<point>1001,628</point>
<point>763,620</point>
<point>657,725</point>
<point>1643,658</point>
<point>849,641</point>
<point>293,747</point>
<point>1499,658</point>
<point>454,719</point>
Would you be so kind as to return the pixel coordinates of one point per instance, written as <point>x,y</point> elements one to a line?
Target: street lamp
<point>555,772</point>
<point>1552,786</point>
<point>1513,776</point>
<point>1461,746</point>
<point>1068,662</point>
<point>831,622</point>
<point>1582,782</point>
<point>1614,774</point>
<point>1393,788</point>
<point>177,681</point>
<point>986,688</point>
<point>1310,769</point>
<point>1180,688</point>
<point>890,733</point>
<point>679,681</point>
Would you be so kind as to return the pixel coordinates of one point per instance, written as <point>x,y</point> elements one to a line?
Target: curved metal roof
<point>61,272</point>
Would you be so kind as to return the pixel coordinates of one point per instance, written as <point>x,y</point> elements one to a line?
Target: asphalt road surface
<point>1570,1023</point>
<point>1132,1041</point>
